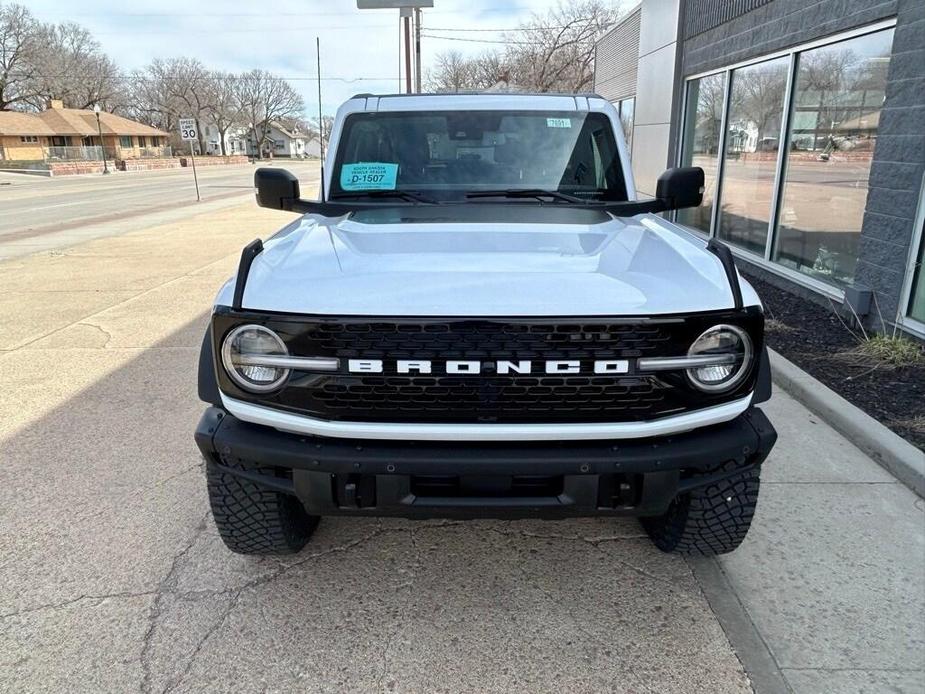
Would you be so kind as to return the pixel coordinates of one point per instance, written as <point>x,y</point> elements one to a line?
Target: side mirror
<point>276,188</point>
<point>679,188</point>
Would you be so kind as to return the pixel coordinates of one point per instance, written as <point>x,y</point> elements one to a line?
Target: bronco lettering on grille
<point>468,367</point>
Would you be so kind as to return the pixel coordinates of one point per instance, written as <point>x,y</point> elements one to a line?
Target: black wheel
<point>255,520</point>
<point>713,519</point>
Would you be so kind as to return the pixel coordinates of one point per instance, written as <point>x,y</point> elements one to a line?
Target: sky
<point>359,49</point>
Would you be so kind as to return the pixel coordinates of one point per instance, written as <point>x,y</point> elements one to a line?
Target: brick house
<point>23,136</point>
<point>68,134</point>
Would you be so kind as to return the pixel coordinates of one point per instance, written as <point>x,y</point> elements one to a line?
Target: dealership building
<point>808,119</point>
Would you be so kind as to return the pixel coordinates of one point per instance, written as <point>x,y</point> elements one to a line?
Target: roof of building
<point>71,121</point>
<point>76,121</point>
<point>18,123</point>
<point>291,133</point>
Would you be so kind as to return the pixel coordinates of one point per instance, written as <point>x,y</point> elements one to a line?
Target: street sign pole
<point>195,177</point>
<point>189,133</point>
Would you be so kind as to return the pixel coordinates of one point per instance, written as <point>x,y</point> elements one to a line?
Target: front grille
<point>488,397</point>
<point>491,399</point>
<point>485,339</point>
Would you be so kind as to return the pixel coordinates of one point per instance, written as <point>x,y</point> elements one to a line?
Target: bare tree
<point>190,89</point>
<point>452,73</point>
<point>71,66</point>
<point>556,52</point>
<point>265,99</point>
<point>762,97</point>
<point>549,53</point>
<point>223,107</point>
<point>18,45</point>
<point>151,99</point>
<point>167,90</point>
<point>321,130</point>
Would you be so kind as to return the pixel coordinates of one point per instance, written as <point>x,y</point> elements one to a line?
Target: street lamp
<point>99,129</point>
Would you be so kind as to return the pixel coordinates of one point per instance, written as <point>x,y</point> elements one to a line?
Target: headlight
<point>721,340</point>
<point>248,353</point>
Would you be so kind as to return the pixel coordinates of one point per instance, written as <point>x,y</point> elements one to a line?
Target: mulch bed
<point>814,338</point>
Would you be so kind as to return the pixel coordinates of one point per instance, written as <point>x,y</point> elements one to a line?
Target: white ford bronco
<point>478,318</point>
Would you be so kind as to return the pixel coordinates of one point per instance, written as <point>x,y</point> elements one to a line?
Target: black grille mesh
<point>488,396</point>
<point>449,340</point>
<point>491,398</point>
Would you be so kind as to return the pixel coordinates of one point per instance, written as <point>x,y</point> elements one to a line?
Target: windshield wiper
<point>538,193</point>
<point>410,195</point>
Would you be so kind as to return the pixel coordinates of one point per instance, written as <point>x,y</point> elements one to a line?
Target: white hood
<point>486,260</point>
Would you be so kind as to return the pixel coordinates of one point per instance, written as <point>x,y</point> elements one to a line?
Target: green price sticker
<point>368,176</point>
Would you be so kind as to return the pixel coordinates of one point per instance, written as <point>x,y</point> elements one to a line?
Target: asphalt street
<point>35,210</point>
<point>113,578</point>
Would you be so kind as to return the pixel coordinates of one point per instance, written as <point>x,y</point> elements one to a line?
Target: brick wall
<point>149,164</point>
<point>14,149</point>
<point>777,25</point>
<point>216,161</point>
<point>898,166</point>
<point>71,168</point>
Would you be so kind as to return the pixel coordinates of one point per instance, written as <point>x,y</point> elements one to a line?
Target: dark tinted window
<point>454,152</point>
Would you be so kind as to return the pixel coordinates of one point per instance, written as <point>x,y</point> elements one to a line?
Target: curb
<point>903,460</point>
<point>750,647</point>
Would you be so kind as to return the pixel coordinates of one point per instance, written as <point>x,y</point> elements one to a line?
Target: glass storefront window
<point>917,299</point>
<point>702,124</point>
<point>756,108</point>
<point>837,97</point>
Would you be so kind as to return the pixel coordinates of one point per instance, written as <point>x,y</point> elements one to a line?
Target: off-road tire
<point>713,519</point>
<point>252,519</point>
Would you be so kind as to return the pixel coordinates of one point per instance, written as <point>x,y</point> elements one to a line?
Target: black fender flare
<point>208,385</point>
<point>763,384</point>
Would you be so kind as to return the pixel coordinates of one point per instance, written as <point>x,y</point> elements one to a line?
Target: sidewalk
<point>832,574</point>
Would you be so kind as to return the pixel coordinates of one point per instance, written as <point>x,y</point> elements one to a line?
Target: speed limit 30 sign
<point>188,129</point>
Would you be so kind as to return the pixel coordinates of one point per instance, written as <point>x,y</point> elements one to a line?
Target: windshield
<point>452,153</point>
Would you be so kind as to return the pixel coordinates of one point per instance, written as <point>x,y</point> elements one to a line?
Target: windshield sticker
<point>558,122</point>
<point>368,176</point>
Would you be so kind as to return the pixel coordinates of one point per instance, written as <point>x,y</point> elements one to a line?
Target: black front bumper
<point>419,479</point>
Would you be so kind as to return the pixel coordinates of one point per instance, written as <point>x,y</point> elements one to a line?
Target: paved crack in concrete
<point>191,658</point>
<point>73,601</point>
<point>106,333</point>
<point>400,624</point>
<point>163,588</point>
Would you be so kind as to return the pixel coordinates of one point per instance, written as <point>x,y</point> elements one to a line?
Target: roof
<point>18,123</point>
<point>71,121</point>
<point>288,132</point>
<point>76,121</point>
<point>66,121</point>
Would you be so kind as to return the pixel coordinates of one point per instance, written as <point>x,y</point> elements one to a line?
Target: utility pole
<point>406,10</point>
<point>417,49</point>
<point>406,21</point>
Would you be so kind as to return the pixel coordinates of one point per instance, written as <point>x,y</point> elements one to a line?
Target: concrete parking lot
<point>113,578</point>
